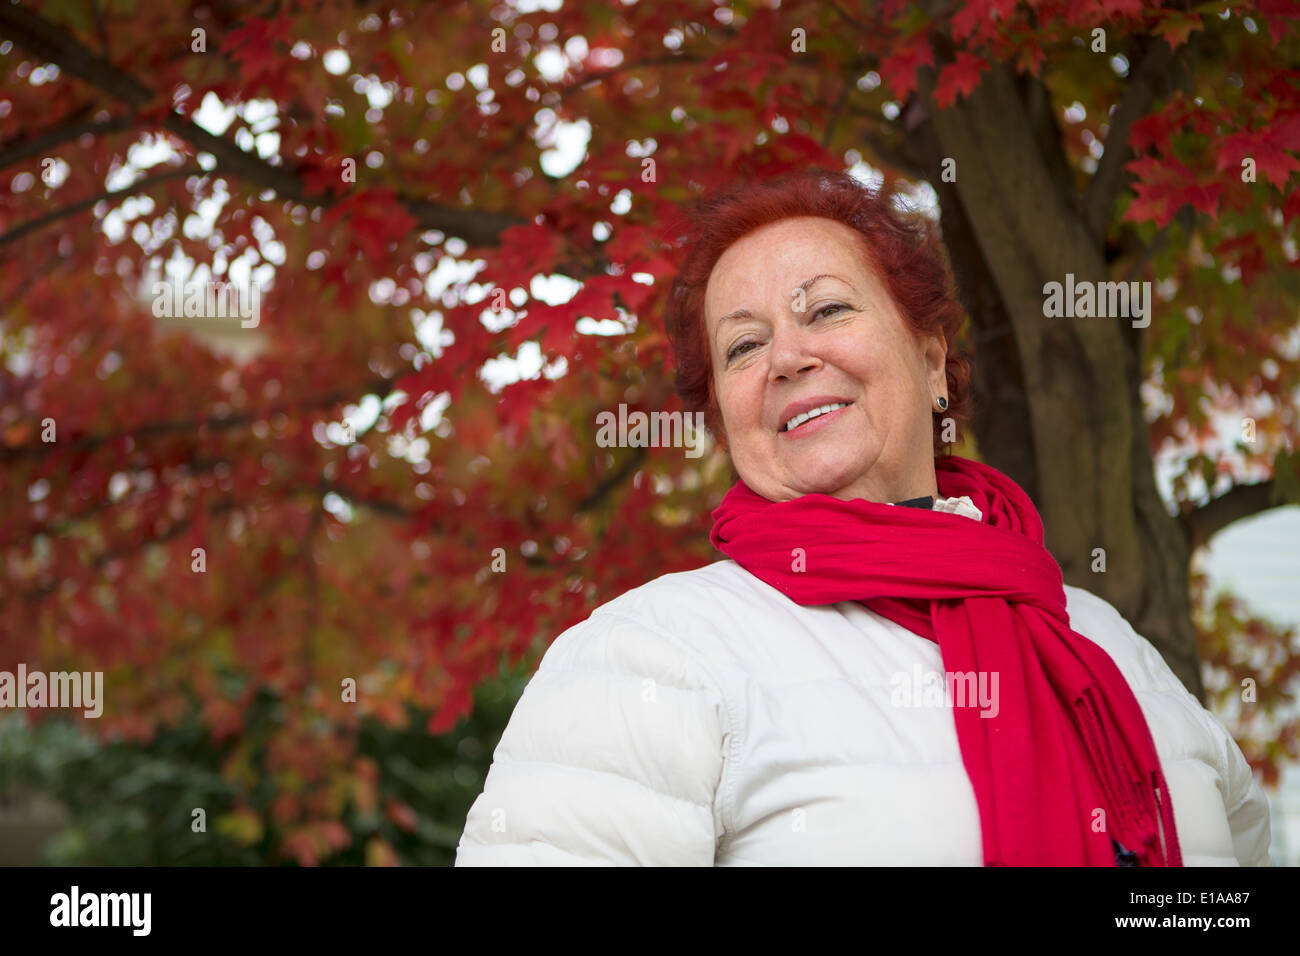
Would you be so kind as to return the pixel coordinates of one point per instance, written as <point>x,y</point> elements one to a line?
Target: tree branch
<point>380,386</point>
<point>51,265</point>
<point>856,24</point>
<point>1109,178</point>
<point>100,29</point>
<point>1185,217</point>
<point>52,44</point>
<point>836,112</point>
<point>1240,501</point>
<point>1046,130</point>
<point>81,205</point>
<point>615,478</point>
<point>585,81</point>
<point>874,138</point>
<point>16,152</point>
<point>59,525</point>
<point>389,509</point>
<point>311,608</point>
<point>179,527</point>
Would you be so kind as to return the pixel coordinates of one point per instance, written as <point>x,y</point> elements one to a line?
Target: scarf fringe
<point>1133,793</point>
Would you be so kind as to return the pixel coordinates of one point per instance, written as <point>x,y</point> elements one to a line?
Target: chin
<point>824,481</point>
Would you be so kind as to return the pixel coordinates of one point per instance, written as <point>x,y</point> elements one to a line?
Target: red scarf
<point>1068,762</point>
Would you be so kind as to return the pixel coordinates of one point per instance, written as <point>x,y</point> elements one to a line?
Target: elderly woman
<point>859,683</point>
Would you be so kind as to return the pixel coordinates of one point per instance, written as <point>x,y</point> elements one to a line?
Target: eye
<point>736,349</point>
<point>741,348</point>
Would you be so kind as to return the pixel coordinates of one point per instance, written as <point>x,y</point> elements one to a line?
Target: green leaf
<point>1286,478</point>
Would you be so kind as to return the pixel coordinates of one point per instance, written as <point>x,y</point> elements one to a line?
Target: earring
<point>943,403</point>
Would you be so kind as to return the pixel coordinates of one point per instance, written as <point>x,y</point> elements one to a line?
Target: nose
<point>792,352</point>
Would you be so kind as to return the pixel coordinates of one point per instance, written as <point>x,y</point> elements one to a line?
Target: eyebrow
<point>747,314</point>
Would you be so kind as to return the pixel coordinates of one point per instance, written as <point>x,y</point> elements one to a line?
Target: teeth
<point>798,420</point>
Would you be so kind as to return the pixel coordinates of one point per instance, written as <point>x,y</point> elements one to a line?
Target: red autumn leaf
<point>1163,187</point>
<point>1176,26</point>
<point>454,706</point>
<point>1291,207</point>
<point>900,67</point>
<point>402,815</point>
<point>525,251</point>
<point>1154,128</point>
<point>1122,8</point>
<point>375,218</point>
<point>1266,147</point>
<point>968,17</point>
<point>254,47</point>
<point>958,78</point>
<point>980,18</point>
<point>1279,15</point>
<point>1030,58</point>
<point>595,300</point>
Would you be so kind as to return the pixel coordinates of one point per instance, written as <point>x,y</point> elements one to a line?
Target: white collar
<point>955,506</point>
<point>958,506</point>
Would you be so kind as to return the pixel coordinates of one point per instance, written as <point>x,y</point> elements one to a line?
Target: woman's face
<point>797,320</point>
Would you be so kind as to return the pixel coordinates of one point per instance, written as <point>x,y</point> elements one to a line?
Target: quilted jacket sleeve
<point>1244,799</point>
<point>613,756</point>
<point>1247,807</point>
<point>1249,819</point>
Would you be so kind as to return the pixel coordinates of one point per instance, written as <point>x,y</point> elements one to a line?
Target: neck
<point>890,492</point>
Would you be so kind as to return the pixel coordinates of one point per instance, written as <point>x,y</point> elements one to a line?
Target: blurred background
<point>307,313</point>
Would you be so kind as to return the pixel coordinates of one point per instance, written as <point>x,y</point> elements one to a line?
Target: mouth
<point>805,420</point>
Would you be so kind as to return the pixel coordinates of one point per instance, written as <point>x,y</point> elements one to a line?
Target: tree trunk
<point>1060,409</point>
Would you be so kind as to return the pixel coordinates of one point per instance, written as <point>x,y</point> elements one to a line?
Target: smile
<point>813,414</point>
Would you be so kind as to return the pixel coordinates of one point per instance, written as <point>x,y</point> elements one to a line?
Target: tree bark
<point>1001,422</point>
<point>1012,225</point>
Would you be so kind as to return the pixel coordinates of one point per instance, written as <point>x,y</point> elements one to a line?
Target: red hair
<point>902,248</point>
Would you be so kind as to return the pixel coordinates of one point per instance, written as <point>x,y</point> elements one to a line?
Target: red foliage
<point>337,495</point>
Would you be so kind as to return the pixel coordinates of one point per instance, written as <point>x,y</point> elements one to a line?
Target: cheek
<point>741,401</point>
<point>859,351</point>
<point>883,370</point>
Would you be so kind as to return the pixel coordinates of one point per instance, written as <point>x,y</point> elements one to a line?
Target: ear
<point>934,354</point>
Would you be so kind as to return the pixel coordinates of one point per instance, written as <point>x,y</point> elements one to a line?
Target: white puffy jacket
<point>705,719</point>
